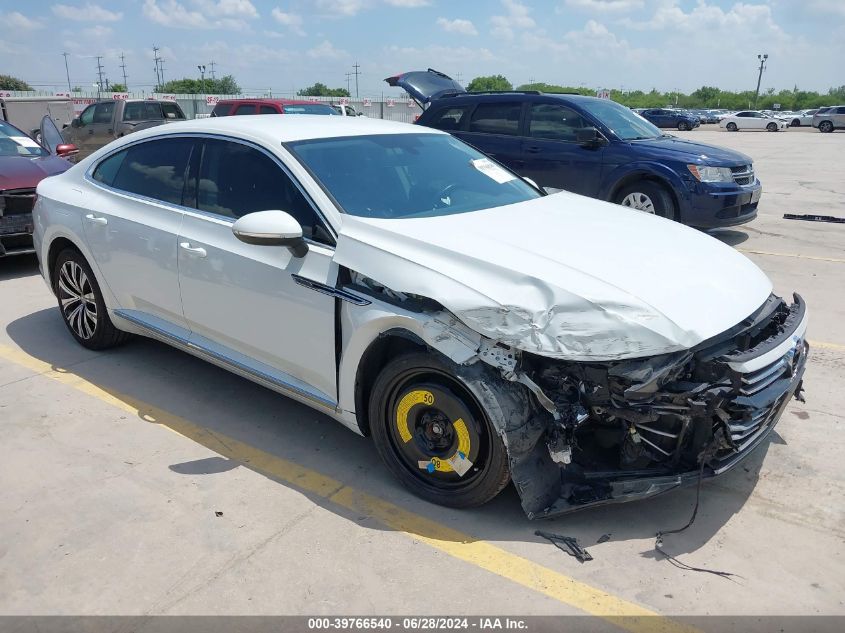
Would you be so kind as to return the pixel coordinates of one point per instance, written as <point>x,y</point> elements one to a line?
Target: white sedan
<point>804,117</point>
<point>418,292</point>
<point>752,120</point>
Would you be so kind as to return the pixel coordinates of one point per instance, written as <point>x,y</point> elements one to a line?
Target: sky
<point>269,45</point>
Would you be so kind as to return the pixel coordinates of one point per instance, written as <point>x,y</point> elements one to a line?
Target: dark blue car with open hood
<point>594,147</point>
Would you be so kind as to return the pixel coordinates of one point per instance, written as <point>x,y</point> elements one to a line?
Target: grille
<point>743,174</point>
<point>17,201</point>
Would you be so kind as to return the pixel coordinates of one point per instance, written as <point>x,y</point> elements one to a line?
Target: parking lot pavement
<point>115,466</point>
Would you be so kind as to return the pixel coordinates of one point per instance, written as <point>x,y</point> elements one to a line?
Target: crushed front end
<point>616,431</point>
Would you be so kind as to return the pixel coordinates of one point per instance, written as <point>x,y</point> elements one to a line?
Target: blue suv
<point>593,147</point>
<point>664,117</point>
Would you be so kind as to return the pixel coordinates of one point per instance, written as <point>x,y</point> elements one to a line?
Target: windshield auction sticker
<point>492,170</point>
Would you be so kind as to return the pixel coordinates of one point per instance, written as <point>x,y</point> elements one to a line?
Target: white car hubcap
<point>77,299</point>
<point>638,201</point>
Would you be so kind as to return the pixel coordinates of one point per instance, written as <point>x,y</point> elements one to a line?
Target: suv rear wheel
<point>826,127</point>
<point>647,197</point>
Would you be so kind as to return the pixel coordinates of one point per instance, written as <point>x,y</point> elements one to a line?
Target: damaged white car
<point>401,282</point>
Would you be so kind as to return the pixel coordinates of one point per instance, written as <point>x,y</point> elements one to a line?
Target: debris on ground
<point>604,538</point>
<point>218,513</point>
<point>568,544</point>
<point>809,217</point>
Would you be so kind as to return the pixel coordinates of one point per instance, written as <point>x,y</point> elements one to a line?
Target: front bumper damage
<point>626,430</point>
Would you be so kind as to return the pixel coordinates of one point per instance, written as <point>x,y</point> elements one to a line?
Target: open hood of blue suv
<point>425,86</point>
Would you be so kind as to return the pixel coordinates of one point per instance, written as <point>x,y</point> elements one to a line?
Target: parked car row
<point>404,283</point>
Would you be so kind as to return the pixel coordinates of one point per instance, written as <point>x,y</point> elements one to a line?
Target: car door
<point>552,155</point>
<point>131,224</point>
<point>77,132</point>
<point>494,128</point>
<point>258,306</point>
<point>101,131</point>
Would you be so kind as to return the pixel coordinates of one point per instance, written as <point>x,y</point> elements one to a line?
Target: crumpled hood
<point>24,172</point>
<point>563,276</point>
<point>699,153</point>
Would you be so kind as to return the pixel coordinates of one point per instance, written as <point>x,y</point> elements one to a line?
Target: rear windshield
<point>13,142</point>
<point>409,175</point>
<point>308,108</point>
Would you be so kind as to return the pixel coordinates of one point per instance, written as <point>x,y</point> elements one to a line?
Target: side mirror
<point>589,137</point>
<point>271,228</point>
<point>75,122</point>
<point>66,150</point>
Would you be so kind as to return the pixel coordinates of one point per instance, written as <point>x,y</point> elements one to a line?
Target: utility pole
<point>99,73</point>
<point>123,67</point>
<point>201,68</point>
<point>212,65</point>
<point>762,59</point>
<point>348,79</point>
<point>356,66</point>
<point>67,72</point>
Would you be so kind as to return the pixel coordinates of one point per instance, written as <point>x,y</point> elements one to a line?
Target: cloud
<point>291,20</point>
<point>827,7</point>
<point>223,14</point>
<point>15,20</point>
<point>342,7</point>
<point>326,50</point>
<point>517,18</point>
<point>97,32</point>
<point>408,4</point>
<point>88,12</point>
<point>464,27</point>
<point>604,6</point>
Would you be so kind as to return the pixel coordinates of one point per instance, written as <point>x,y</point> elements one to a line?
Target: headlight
<point>711,174</point>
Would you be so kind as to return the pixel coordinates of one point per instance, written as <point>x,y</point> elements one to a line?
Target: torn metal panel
<point>552,293</point>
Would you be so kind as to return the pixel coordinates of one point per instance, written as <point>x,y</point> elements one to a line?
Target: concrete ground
<point>144,481</point>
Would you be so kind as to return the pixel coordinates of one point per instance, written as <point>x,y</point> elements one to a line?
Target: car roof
<point>267,101</point>
<point>274,129</point>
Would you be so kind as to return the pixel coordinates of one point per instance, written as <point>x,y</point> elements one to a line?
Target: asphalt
<point>143,481</point>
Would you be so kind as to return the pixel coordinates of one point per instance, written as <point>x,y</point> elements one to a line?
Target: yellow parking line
<point>822,345</point>
<point>820,259</point>
<point>627,615</point>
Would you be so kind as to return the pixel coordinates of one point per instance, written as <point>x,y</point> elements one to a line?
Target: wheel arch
<point>650,176</point>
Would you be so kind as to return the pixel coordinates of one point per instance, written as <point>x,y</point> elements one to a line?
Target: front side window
<point>626,125</point>
<point>87,116</point>
<point>221,109</point>
<point>449,118</point>
<point>409,175</point>
<point>496,118</point>
<point>103,112</point>
<point>245,109</point>
<point>235,179</point>
<point>554,122</point>
<point>107,170</point>
<point>155,169</point>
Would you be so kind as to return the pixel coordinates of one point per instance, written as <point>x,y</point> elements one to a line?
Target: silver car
<point>830,119</point>
<point>415,290</point>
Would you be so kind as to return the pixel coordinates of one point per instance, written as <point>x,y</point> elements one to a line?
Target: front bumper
<point>722,400</point>
<point>717,205</point>
<point>16,235</point>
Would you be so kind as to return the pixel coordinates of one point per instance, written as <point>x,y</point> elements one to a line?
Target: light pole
<point>201,68</point>
<point>762,59</point>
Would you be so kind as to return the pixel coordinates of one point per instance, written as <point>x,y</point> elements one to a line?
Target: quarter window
<point>449,118</point>
<point>496,118</point>
<point>554,122</point>
<point>235,179</point>
<point>155,169</point>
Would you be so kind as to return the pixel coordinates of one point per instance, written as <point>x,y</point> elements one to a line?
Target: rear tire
<point>731,127</point>
<point>826,127</point>
<point>647,197</point>
<point>424,420</point>
<point>81,303</point>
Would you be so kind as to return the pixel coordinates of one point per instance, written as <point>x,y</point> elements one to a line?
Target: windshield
<point>621,121</point>
<point>13,142</point>
<point>409,175</point>
<point>308,108</point>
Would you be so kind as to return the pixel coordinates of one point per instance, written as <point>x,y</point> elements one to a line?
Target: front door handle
<point>533,149</point>
<point>90,131</point>
<point>198,251</point>
<point>93,219</point>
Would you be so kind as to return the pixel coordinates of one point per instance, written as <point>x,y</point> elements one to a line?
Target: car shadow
<point>18,266</point>
<point>212,406</point>
<point>731,237</point>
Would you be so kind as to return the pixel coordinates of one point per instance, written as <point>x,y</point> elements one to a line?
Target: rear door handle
<point>90,131</point>
<point>93,219</point>
<point>198,251</point>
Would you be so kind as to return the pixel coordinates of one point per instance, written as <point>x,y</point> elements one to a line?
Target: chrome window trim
<point>89,177</point>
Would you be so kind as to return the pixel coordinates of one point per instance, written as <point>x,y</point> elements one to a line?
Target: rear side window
<point>107,169</point>
<point>142,111</point>
<point>245,109</point>
<point>265,109</point>
<point>496,118</point>
<point>840,110</point>
<point>554,122</point>
<point>155,169</point>
<point>236,179</point>
<point>221,109</point>
<point>449,118</point>
<point>172,111</point>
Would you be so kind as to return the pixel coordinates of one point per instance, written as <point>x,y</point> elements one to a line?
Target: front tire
<point>731,127</point>
<point>826,127</point>
<point>433,435</point>
<point>772,127</point>
<point>647,197</point>
<point>81,303</point>
<point>796,122</point>
<point>683,126</point>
